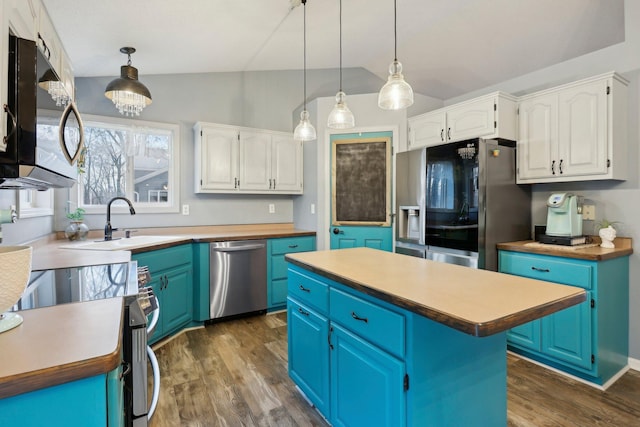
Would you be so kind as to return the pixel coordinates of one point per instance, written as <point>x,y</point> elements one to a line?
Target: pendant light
<point>396,94</point>
<point>127,93</point>
<point>305,130</point>
<point>341,117</point>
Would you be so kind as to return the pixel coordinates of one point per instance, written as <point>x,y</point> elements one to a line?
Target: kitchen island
<point>377,338</point>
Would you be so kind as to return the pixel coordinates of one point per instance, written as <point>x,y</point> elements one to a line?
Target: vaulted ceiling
<point>447,47</point>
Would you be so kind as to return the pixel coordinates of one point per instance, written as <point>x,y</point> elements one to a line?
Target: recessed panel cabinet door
<point>538,137</point>
<point>427,130</point>
<point>367,387</point>
<point>219,161</point>
<point>286,164</point>
<point>255,161</point>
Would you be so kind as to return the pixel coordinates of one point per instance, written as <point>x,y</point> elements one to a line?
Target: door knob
<point>337,231</point>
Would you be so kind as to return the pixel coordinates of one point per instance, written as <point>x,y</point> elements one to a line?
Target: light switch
<point>272,208</point>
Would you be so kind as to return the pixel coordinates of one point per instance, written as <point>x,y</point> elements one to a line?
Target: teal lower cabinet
<point>362,361</point>
<point>589,340</point>
<point>95,401</point>
<point>171,272</point>
<point>277,267</point>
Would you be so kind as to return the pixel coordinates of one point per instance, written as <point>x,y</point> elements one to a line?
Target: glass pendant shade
<point>305,130</point>
<point>341,117</point>
<point>396,94</point>
<point>127,93</point>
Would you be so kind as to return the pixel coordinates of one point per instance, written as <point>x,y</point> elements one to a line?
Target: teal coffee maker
<point>564,219</point>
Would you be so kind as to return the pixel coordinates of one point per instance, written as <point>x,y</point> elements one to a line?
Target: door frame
<point>325,224</point>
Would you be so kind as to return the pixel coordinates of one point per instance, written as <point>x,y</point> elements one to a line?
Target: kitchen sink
<point>121,244</point>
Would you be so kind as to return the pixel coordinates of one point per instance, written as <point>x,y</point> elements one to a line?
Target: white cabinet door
<point>583,130</point>
<point>471,120</point>
<point>427,130</point>
<point>538,137</point>
<point>218,151</point>
<point>255,161</point>
<point>21,15</point>
<point>286,164</point>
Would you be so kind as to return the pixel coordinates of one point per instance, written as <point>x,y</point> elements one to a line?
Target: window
<point>32,203</point>
<point>134,159</point>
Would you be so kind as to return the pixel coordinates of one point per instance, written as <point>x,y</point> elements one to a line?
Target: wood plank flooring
<point>234,373</point>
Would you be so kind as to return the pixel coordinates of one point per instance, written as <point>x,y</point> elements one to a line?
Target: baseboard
<point>634,364</point>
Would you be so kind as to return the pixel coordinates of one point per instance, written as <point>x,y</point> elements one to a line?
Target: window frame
<point>173,203</point>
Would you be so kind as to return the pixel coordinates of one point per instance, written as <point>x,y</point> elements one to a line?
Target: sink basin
<point>121,244</point>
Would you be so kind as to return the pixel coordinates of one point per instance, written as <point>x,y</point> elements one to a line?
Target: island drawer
<point>290,245</point>
<point>376,324</point>
<point>308,291</point>
<point>542,267</point>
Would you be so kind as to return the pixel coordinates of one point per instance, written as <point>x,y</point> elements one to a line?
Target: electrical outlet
<point>589,212</point>
<point>272,208</point>
<point>185,209</point>
<point>313,208</point>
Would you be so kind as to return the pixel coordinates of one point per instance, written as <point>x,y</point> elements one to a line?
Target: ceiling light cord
<point>304,50</point>
<point>395,31</point>
<point>340,45</point>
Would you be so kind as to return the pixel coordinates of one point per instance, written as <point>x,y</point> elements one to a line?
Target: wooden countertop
<point>59,344</point>
<point>47,253</point>
<point>623,247</point>
<point>477,302</point>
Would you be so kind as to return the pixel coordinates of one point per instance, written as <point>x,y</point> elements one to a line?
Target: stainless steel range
<point>77,284</point>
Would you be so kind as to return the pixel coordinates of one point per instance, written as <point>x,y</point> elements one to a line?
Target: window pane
<point>105,165</point>
<point>151,161</point>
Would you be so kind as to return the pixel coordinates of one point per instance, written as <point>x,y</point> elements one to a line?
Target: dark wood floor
<point>235,374</point>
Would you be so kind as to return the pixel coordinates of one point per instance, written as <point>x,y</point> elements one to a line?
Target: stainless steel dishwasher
<point>238,278</point>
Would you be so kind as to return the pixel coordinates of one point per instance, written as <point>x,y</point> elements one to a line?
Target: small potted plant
<point>607,233</point>
<point>77,229</point>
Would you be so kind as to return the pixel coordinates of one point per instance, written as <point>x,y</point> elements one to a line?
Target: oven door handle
<point>156,382</point>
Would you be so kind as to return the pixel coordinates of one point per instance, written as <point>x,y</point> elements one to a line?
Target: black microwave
<point>43,140</point>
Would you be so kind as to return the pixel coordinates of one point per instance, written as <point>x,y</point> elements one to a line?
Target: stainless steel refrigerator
<point>456,201</point>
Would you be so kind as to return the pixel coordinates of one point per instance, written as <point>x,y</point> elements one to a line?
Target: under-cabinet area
<point>232,159</point>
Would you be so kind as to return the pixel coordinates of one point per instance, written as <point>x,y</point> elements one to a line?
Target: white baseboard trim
<point>634,364</point>
<point>603,387</point>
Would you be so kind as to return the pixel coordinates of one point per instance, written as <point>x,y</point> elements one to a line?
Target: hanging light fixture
<point>127,93</point>
<point>54,87</point>
<point>396,94</point>
<point>341,117</point>
<point>305,130</point>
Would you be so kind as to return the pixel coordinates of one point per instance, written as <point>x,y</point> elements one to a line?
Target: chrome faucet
<point>108,231</point>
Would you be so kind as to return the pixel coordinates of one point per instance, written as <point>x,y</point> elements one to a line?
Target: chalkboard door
<point>361,190</point>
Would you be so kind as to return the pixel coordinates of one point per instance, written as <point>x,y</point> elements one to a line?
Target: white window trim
<point>41,203</point>
<point>173,204</point>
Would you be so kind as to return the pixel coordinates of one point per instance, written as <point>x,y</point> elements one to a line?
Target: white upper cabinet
<point>488,116</point>
<point>574,132</point>
<point>251,161</point>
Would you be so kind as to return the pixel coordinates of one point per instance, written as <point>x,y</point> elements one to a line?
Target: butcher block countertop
<point>477,302</point>
<point>48,253</point>
<point>59,344</point>
<point>592,252</point>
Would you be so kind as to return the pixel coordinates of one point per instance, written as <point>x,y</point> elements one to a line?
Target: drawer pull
<point>542,270</point>
<point>301,311</point>
<point>362,319</point>
<point>303,289</point>
<point>293,246</point>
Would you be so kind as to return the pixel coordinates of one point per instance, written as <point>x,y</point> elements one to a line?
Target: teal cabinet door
<point>526,336</point>
<point>367,386</point>
<point>567,335</point>
<point>177,299</point>
<point>308,353</point>
<point>277,266</point>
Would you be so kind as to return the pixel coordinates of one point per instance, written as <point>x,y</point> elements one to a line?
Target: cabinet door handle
<point>329,337</point>
<point>362,319</point>
<point>301,311</point>
<point>235,182</point>
<point>274,183</point>
<point>553,167</point>
<point>560,167</point>
<point>303,289</point>
<point>270,183</point>
<point>442,134</point>
<point>293,246</point>
<point>542,270</point>
<point>449,133</point>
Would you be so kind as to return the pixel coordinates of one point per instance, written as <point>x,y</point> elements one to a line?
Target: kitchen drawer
<point>164,259</point>
<point>289,245</point>
<point>575,273</point>
<point>376,324</point>
<point>308,291</point>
